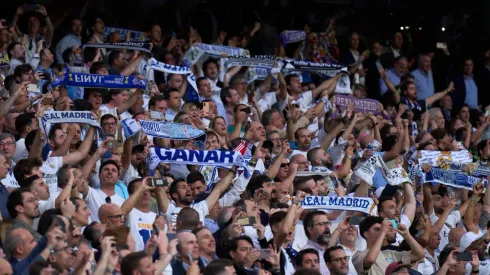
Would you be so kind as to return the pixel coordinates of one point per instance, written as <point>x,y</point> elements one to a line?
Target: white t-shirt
<point>9,181</point>
<point>96,198</point>
<point>20,150</point>
<point>201,208</point>
<point>288,268</point>
<point>484,267</point>
<point>141,226</point>
<point>50,167</point>
<point>43,206</point>
<point>452,219</point>
<point>300,238</point>
<point>131,174</point>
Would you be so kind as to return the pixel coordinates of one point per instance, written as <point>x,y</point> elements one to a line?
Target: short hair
<point>113,56</point>
<point>107,117</point>
<point>23,120</point>
<point>367,223</point>
<point>170,76</point>
<point>433,111</point>
<point>189,218</point>
<point>22,69</point>
<point>11,243</point>
<point>405,85</point>
<point>277,218</point>
<point>97,65</point>
<point>76,201</point>
<point>108,162</point>
<point>131,262</point>
<point>166,93</point>
<point>8,135</point>
<point>225,92</point>
<point>27,182</point>
<point>312,154</point>
<point>202,78</point>
<point>25,166</point>
<point>11,46</point>
<point>92,234</point>
<point>46,220</point>
<point>29,140</point>
<point>302,180</point>
<point>438,133</point>
<point>173,186</point>
<point>120,234</point>
<point>217,267</point>
<point>296,132</point>
<point>267,115</point>
<point>326,255</point>
<point>235,79</point>
<point>194,177</point>
<point>153,101</point>
<point>289,77</point>
<point>257,182</point>
<point>195,231</point>
<point>381,200</point>
<point>209,61</point>
<point>131,185</point>
<point>62,174</point>
<point>36,267</point>
<point>14,199</point>
<point>52,131</point>
<point>233,244</point>
<point>445,253</point>
<point>309,220</point>
<point>302,253</point>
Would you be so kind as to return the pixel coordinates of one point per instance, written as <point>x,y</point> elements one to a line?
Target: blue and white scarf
<point>444,159</point>
<point>136,35</point>
<point>82,117</point>
<point>457,175</point>
<point>217,51</point>
<point>248,62</point>
<point>375,163</point>
<point>323,69</point>
<point>194,157</point>
<point>138,46</point>
<point>99,81</point>
<point>292,37</point>
<point>259,73</point>
<point>365,205</point>
<point>154,64</point>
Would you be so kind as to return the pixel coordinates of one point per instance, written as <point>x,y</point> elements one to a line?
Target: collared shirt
<point>471,92</point>
<point>323,267</point>
<point>69,41</point>
<point>205,260</point>
<point>424,82</point>
<point>16,223</point>
<point>393,77</point>
<point>211,224</point>
<point>4,194</point>
<point>170,115</point>
<point>348,252</point>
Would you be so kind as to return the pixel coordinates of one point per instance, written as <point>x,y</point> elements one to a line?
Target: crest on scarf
<point>444,160</point>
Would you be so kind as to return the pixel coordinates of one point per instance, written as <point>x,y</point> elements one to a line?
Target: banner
<point>443,159</point>
<point>367,170</point>
<point>99,81</point>
<point>259,73</point>
<point>154,64</point>
<point>360,104</point>
<point>217,51</point>
<point>138,46</point>
<point>453,178</point>
<point>4,59</point>
<point>195,157</point>
<point>292,37</point>
<point>130,127</point>
<point>171,130</point>
<point>365,205</point>
<point>343,85</point>
<point>135,35</point>
<point>249,62</point>
<point>83,117</point>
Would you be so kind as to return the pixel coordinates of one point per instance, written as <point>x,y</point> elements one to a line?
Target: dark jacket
<point>178,267</point>
<point>21,267</point>
<point>459,94</point>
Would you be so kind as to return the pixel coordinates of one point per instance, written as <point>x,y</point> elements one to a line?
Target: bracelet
<point>349,157</point>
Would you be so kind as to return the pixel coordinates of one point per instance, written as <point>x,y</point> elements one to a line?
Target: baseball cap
<point>394,266</point>
<point>470,237</point>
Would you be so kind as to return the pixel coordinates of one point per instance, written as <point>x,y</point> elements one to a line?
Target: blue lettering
<point>308,200</point>
<point>341,202</point>
<point>64,114</point>
<point>356,202</point>
<point>211,156</point>
<point>196,155</point>
<point>348,202</point>
<point>323,201</point>
<point>227,156</point>
<point>332,200</point>
<point>179,155</point>
<point>364,204</point>
<point>166,156</point>
<point>315,200</point>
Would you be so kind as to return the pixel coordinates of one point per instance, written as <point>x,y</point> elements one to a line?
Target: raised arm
<point>82,151</point>
<point>283,90</point>
<point>438,96</point>
<point>129,204</point>
<point>410,202</point>
<point>397,148</point>
<point>131,101</point>
<point>220,187</point>
<point>133,64</point>
<point>325,85</point>
<point>294,210</point>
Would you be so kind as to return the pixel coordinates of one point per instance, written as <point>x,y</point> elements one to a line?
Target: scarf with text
<point>82,117</point>
<point>137,46</point>
<point>443,159</point>
<point>292,37</point>
<point>135,35</point>
<point>217,51</point>
<point>322,69</point>
<point>455,175</point>
<point>156,65</point>
<point>375,163</point>
<point>364,205</point>
<point>99,81</point>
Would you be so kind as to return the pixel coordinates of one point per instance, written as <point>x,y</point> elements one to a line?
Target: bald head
<point>455,235</point>
<point>188,244</point>
<point>5,267</point>
<point>19,243</point>
<point>110,214</point>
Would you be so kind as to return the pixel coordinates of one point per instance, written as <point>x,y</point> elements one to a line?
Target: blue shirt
<point>44,70</point>
<point>471,92</point>
<point>4,194</point>
<point>69,41</point>
<point>393,77</point>
<point>424,83</point>
<point>120,188</point>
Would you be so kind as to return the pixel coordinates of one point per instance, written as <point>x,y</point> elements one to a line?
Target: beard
<point>324,238</point>
<point>185,200</point>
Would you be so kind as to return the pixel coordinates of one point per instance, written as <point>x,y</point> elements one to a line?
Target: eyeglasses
<point>116,217</point>
<point>109,124</point>
<point>6,144</point>
<point>284,165</point>
<point>323,224</point>
<point>108,200</point>
<point>340,259</point>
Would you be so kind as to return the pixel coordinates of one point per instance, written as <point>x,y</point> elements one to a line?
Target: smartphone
<point>111,144</point>
<point>247,221</point>
<point>335,182</point>
<point>157,182</point>
<point>442,46</point>
<point>156,115</point>
<point>395,223</point>
<point>48,101</point>
<point>47,76</point>
<point>156,230</point>
<point>30,7</point>
<point>247,110</point>
<point>251,95</point>
<point>174,35</point>
<point>205,108</point>
<point>356,220</point>
<point>464,256</point>
<point>294,145</point>
<point>264,254</point>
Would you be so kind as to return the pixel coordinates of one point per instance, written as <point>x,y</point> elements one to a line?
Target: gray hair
<point>11,243</point>
<point>433,112</point>
<point>235,79</point>
<point>62,174</point>
<point>7,135</point>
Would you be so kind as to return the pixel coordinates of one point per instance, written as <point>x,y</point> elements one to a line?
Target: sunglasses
<point>284,165</point>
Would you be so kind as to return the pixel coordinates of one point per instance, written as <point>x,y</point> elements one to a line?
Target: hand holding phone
<point>157,182</point>
<point>264,254</point>
<point>356,220</point>
<point>464,256</point>
<point>246,221</point>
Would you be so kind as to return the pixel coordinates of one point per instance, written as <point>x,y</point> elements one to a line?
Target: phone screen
<point>464,256</point>
<point>294,145</point>
<point>356,220</point>
<point>395,223</point>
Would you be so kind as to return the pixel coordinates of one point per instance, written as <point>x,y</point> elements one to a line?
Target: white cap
<point>469,237</point>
